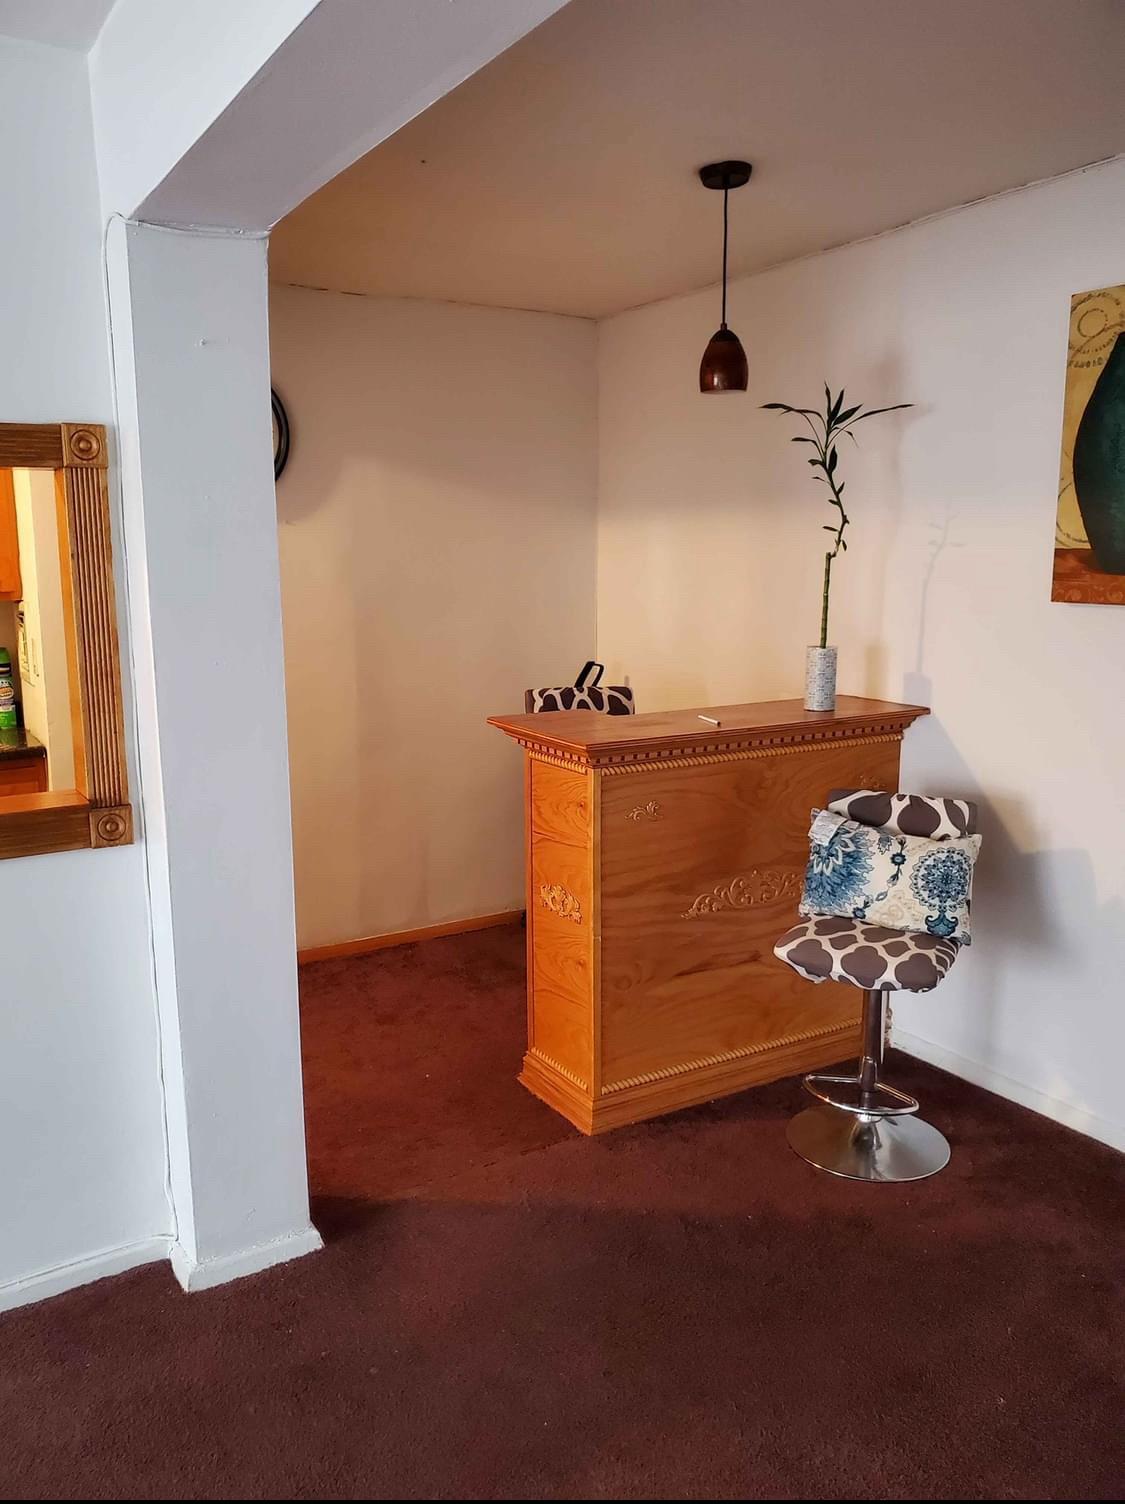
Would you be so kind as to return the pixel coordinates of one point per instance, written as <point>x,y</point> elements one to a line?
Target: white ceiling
<point>60,23</point>
<point>562,176</point>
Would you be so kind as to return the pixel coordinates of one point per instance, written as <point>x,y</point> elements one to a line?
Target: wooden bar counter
<point>664,857</point>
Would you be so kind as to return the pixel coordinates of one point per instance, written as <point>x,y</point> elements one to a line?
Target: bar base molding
<point>688,1085</point>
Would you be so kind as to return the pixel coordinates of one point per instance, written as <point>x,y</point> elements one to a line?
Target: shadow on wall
<point>1028,903</point>
<point>875,509</point>
<point>939,541</point>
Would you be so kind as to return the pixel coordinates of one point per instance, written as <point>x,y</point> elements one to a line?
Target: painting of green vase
<point>1099,464</point>
<point>1090,526</point>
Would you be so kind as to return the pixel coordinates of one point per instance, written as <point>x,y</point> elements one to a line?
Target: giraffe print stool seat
<point>827,948</point>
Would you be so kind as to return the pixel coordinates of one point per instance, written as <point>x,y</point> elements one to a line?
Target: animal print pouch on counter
<point>585,693</point>
<point>905,882</point>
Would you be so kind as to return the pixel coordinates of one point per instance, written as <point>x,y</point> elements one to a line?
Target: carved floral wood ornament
<point>96,812</point>
<point>560,901</point>
<point>649,811</point>
<point>745,891</point>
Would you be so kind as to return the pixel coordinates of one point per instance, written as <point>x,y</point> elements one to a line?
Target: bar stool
<point>860,1127</point>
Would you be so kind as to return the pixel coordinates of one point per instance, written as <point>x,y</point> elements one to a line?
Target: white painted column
<point>240,121</point>
<point>191,356</point>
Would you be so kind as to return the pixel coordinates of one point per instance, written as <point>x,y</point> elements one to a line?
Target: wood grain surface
<point>654,902</point>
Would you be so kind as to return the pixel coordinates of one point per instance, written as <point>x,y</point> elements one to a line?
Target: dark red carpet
<point>411,1057</point>
<point>677,1310</point>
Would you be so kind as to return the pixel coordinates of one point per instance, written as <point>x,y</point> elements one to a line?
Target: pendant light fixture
<point>723,367</point>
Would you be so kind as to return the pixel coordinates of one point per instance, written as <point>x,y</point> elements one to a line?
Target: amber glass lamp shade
<point>724,367</point>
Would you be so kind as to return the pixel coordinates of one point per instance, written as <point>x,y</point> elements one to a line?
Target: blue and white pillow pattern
<point>910,883</point>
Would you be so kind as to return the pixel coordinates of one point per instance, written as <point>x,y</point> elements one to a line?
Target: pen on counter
<point>711,720</point>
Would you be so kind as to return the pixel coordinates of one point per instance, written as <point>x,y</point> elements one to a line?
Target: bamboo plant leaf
<point>873,412</point>
<point>784,407</point>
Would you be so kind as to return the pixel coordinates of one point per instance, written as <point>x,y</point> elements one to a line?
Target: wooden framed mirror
<point>56,567</point>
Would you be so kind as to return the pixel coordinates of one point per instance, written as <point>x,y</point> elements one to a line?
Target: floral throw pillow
<point>904,882</point>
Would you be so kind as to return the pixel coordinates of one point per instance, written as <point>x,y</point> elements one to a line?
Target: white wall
<point>437,528</point>
<point>176,67</point>
<point>251,105</point>
<point>81,1155</point>
<point>710,564</point>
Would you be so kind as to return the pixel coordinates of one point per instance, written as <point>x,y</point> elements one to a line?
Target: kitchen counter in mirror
<point>23,763</point>
<point>16,742</point>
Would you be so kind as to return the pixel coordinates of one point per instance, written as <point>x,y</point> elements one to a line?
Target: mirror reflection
<point>39,717</point>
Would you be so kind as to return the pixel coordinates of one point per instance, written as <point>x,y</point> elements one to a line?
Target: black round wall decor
<point>280,434</point>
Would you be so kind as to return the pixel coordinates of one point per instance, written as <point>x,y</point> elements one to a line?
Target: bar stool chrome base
<point>862,1128</point>
<point>862,1147</point>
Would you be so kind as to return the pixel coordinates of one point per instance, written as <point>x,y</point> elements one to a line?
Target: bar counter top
<point>587,737</point>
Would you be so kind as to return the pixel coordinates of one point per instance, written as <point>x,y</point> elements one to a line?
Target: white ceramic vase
<point>820,678</point>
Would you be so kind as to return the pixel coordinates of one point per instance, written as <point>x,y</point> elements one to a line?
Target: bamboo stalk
<point>824,431</point>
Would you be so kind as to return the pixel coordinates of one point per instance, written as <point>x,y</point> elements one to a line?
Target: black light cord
<point>726,195</point>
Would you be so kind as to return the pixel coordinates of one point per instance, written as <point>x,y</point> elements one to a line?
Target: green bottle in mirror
<point>1099,464</point>
<point>8,717</point>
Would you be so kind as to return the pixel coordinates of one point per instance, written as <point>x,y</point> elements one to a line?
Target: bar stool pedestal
<point>861,1128</point>
<point>871,1149</point>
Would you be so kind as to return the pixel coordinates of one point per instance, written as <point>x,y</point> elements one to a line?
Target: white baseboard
<point>21,1292</point>
<point>1055,1108</point>
<point>191,1275</point>
<point>203,1274</point>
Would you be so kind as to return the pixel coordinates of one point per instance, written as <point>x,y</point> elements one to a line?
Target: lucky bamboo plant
<point>825,429</point>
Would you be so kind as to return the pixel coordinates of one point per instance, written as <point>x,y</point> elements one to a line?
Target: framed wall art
<point>1090,522</point>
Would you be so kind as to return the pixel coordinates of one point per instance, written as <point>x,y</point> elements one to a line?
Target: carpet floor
<point>410,1061</point>
<point>682,1309</point>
